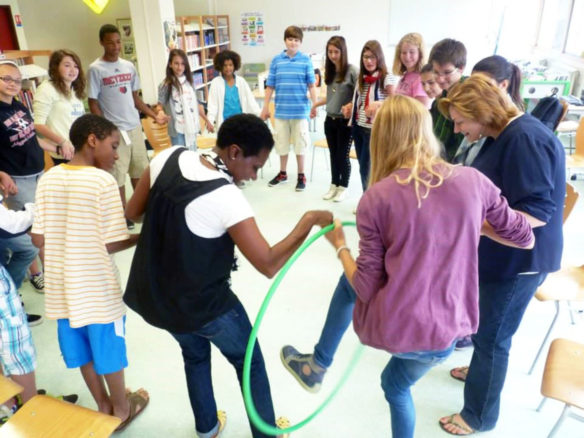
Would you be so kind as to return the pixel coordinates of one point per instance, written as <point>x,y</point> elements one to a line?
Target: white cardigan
<point>216,101</point>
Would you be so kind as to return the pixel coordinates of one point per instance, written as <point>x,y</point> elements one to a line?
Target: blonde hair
<point>402,137</point>
<point>478,98</point>
<point>415,39</point>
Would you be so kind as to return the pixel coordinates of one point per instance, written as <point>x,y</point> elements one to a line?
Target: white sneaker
<point>331,193</point>
<point>340,195</point>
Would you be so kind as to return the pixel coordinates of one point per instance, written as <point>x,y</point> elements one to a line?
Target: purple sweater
<point>417,272</point>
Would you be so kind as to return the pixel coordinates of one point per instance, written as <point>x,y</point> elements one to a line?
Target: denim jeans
<point>362,136</point>
<point>179,139</point>
<point>402,371</point>
<point>501,308</point>
<point>229,333</point>
<point>17,253</point>
<point>338,319</point>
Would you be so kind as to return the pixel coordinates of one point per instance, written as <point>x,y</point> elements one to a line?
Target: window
<point>561,27</point>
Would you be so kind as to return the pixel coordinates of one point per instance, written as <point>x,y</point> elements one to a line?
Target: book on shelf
<point>26,97</point>
<point>194,60</point>
<point>198,78</point>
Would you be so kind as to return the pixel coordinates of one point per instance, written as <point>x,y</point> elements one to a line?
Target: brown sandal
<point>459,373</point>
<point>138,403</point>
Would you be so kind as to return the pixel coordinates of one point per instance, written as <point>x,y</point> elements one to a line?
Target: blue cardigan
<point>527,162</point>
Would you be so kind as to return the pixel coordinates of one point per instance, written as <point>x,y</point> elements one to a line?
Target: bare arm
<point>203,117</point>
<point>313,99</point>
<point>265,108</point>
<point>269,259</point>
<point>122,244</point>
<point>160,117</point>
<point>47,145</point>
<point>534,222</point>
<point>136,206</point>
<point>67,149</point>
<point>337,238</point>
<point>94,107</point>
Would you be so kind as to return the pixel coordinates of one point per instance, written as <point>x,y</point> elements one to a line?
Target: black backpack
<point>549,111</point>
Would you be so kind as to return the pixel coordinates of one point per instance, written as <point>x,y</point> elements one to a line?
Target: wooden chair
<point>47,417</point>
<point>322,143</point>
<point>563,378</point>
<point>156,134</point>
<point>565,285</point>
<point>576,160</point>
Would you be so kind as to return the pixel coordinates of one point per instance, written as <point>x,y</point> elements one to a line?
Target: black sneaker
<point>303,368</point>
<point>34,319</point>
<point>71,398</point>
<point>301,184</point>
<point>38,282</point>
<point>280,178</point>
<point>130,224</point>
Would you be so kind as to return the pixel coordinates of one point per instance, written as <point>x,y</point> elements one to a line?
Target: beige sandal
<point>465,429</point>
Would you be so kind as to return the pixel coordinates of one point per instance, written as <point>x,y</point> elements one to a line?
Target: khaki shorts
<point>132,157</point>
<point>293,131</point>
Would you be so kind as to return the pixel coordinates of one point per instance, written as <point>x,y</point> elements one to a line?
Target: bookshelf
<point>202,37</point>
<point>32,74</point>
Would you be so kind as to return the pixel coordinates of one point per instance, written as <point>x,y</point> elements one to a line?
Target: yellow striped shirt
<point>79,211</point>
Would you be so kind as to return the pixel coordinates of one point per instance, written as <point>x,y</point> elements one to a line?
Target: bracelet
<point>342,247</point>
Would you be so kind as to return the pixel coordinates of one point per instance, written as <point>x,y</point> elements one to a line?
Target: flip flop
<point>466,430</point>
<point>138,403</point>
<point>459,373</point>
<point>222,419</point>
<point>283,423</point>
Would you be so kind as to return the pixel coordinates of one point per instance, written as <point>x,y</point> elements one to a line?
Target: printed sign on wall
<point>252,29</point>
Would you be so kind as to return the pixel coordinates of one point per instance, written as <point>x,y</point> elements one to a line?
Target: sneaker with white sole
<point>38,282</point>
<point>303,368</point>
<point>280,178</point>
<point>33,319</point>
<point>331,193</point>
<point>340,195</point>
<point>301,183</point>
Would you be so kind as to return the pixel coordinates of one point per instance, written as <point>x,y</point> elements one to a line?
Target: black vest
<point>179,281</point>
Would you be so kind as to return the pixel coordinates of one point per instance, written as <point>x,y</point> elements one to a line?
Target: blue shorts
<point>102,344</point>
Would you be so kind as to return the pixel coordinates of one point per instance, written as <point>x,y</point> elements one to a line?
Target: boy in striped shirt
<point>80,221</point>
<point>291,76</point>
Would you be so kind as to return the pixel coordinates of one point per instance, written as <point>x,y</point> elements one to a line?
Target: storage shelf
<point>197,30</point>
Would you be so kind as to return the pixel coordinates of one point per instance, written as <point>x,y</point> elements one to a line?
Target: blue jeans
<point>179,139</point>
<point>501,308</point>
<point>400,374</point>
<point>17,253</point>
<point>338,319</point>
<point>229,333</point>
<point>362,136</point>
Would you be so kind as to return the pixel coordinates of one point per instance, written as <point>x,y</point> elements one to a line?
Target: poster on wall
<point>252,29</point>
<point>127,36</point>
<point>170,35</point>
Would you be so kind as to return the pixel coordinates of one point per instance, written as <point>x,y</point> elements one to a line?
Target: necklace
<point>217,163</point>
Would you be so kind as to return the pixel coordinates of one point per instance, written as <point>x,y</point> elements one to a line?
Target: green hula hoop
<point>249,404</point>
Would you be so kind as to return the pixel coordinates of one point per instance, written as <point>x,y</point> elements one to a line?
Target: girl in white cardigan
<point>229,94</point>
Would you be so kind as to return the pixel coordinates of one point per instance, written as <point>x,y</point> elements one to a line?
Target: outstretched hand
<point>336,236</point>
<point>7,184</point>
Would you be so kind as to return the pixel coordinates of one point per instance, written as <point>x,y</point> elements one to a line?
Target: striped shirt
<point>362,119</point>
<point>79,211</point>
<point>290,78</point>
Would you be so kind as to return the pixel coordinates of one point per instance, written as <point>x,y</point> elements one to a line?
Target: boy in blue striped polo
<point>291,76</point>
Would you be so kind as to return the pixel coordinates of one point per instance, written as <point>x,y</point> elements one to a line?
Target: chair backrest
<point>550,110</point>
<point>570,201</point>
<point>156,134</point>
<point>8,388</point>
<point>579,139</point>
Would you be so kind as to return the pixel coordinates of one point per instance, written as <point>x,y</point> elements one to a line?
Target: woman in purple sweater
<point>415,283</point>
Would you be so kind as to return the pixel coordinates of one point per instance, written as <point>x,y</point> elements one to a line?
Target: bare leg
<point>283,162</point>
<point>300,161</point>
<point>96,386</point>
<point>28,382</point>
<point>117,387</point>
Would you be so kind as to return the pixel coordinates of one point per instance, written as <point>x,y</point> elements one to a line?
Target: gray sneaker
<point>303,368</point>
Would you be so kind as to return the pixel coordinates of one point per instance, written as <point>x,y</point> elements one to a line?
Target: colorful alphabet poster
<point>252,29</point>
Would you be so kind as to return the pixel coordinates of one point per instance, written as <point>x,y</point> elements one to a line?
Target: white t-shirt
<point>209,216</point>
